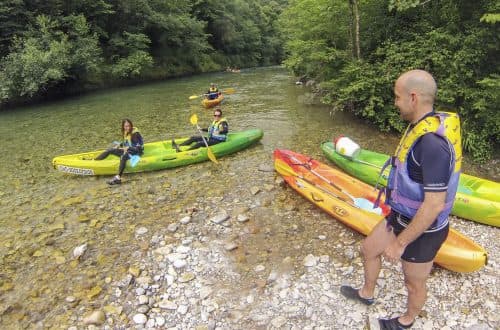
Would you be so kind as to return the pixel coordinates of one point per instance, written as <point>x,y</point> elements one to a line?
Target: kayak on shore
<point>477,199</point>
<point>157,156</point>
<point>351,202</point>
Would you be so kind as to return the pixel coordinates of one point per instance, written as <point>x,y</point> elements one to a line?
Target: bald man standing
<point>421,189</point>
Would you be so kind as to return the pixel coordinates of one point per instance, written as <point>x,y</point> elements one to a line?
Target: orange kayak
<point>351,202</point>
<point>212,103</point>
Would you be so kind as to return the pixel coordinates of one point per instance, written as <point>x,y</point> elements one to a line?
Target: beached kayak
<point>477,199</point>
<point>157,155</point>
<point>212,103</point>
<point>351,202</point>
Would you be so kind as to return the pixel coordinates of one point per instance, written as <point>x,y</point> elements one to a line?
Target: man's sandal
<point>392,324</point>
<point>352,293</point>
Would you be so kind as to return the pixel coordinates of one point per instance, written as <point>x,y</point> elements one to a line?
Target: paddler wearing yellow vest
<point>217,132</point>
<point>132,144</point>
<point>213,92</point>
<point>421,188</point>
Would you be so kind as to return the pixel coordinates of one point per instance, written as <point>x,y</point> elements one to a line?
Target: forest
<point>353,50</point>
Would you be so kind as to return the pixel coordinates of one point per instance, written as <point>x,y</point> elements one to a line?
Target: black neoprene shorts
<point>425,247</point>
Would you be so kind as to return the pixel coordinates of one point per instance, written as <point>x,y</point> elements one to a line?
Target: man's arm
<point>433,204</point>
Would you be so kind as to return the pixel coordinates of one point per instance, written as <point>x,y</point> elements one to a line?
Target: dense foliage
<point>50,46</point>
<point>457,41</point>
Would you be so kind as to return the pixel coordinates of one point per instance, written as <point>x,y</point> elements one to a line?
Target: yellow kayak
<point>337,193</point>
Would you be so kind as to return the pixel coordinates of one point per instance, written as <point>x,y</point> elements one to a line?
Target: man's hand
<point>394,251</point>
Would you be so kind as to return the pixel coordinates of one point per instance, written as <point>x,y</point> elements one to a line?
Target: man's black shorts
<point>425,247</point>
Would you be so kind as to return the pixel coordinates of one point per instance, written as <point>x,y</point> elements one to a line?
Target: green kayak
<point>477,199</point>
<point>157,155</point>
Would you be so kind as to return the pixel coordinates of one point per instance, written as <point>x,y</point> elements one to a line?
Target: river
<point>45,214</point>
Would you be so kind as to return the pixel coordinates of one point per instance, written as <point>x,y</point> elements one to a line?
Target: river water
<point>45,214</point>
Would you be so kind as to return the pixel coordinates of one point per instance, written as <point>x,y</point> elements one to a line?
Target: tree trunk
<point>356,51</point>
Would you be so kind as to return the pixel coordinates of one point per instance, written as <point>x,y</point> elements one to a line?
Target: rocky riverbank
<point>201,272</point>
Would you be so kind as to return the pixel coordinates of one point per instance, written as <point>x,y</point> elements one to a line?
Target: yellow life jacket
<point>405,195</point>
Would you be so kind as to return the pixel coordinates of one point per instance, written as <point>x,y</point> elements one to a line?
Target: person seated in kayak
<point>217,132</point>
<point>132,144</point>
<point>213,92</point>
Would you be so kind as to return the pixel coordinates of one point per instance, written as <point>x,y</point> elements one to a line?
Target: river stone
<point>172,227</point>
<point>160,321</point>
<point>205,292</point>
<point>140,318</point>
<point>230,246</point>
<point>143,309</point>
<point>167,304</point>
<point>143,299</point>
<point>183,249</point>
<point>278,322</point>
<point>242,218</point>
<point>310,260</point>
<point>266,168</point>
<point>254,190</point>
<point>179,263</point>
<point>259,268</point>
<point>220,218</point>
<point>96,317</point>
<point>186,277</point>
<point>182,309</point>
<point>164,250</point>
<point>141,231</point>
<point>79,250</point>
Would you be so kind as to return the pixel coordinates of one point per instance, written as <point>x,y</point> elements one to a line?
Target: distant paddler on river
<point>131,148</point>
<point>213,96</point>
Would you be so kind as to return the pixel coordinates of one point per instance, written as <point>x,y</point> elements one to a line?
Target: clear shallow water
<point>44,214</point>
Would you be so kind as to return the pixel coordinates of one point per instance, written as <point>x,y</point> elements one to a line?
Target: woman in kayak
<point>217,132</point>
<point>132,144</point>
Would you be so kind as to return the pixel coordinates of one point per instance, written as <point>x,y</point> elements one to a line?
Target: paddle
<point>225,91</point>
<point>360,202</point>
<point>134,159</point>
<point>194,120</point>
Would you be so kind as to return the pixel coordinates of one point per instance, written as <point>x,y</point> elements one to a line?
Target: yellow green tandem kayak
<point>157,155</point>
<point>477,199</point>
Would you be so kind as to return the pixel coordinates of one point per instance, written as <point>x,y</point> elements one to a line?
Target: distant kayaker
<point>217,132</point>
<point>132,144</point>
<point>213,92</point>
<point>421,188</point>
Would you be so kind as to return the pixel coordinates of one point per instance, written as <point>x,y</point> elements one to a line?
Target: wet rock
<point>140,318</point>
<point>172,227</point>
<point>141,231</point>
<point>254,190</point>
<point>266,168</point>
<point>259,268</point>
<point>220,218</point>
<point>96,317</point>
<point>310,261</point>
<point>242,218</point>
<point>79,250</point>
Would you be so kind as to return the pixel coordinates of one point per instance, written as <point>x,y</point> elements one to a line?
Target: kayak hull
<point>212,103</point>
<point>458,253</point>
<point>157,156</point>
<point>477,199</point>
